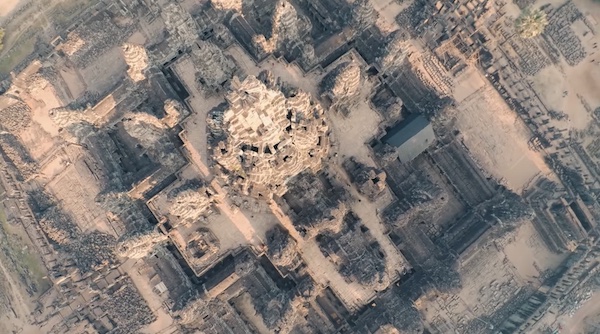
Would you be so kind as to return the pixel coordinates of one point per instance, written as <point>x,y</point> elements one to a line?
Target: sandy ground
<point>8,5</point>
<point>561,91</point>
<point>586,314</point>
<point>163,319</point>
<point>497,139</point>
<point>244,304</point>
<point>388,10</point>
<point>561,87</point>
<point>529,255</point>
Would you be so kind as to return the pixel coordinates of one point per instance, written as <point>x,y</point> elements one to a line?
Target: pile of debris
<point>317,202</point>
<point>235,5</point>
<point>358,255</point>
<point>15,117</point>
<point>126,307</point>
<point>93,251</point>
<point>213,67</point>
<point>137,60</point>
<point>58,227</point>
<point>363,15</point>
<point>139,245</point>
<point>191,201</point>
<point>180,25</point>
<point>281,248</point>
<point>95,37</point>
<point>342,85</point>
<point>396,51</point>
<point>288,28</point>
<point>64,116</point>
<point>369,181</point>
<point>17,155</point>
<point>174,111</point>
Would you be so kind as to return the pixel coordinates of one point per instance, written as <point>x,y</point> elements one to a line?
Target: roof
<point>411,137</point>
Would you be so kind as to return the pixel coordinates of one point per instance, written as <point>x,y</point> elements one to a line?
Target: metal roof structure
<point>411,137</point>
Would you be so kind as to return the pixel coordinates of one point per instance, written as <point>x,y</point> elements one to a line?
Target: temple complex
<point>269,138</point>
<point>299,166</point>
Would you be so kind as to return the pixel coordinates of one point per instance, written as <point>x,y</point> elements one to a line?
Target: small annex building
<point>410,137</point>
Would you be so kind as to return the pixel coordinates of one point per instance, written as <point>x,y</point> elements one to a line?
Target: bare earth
<point>8,6</point>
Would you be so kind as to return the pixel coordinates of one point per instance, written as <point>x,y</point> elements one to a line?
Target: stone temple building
<point>269,138</point>
<point>410,137</point>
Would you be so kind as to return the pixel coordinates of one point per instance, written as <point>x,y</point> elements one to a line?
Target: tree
<point>531,23</point>
<point>1,39</point>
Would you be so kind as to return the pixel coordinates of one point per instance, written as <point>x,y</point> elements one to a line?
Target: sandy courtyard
<point>497,139</point>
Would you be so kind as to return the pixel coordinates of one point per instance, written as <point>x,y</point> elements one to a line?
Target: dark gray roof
<point>411,137</point>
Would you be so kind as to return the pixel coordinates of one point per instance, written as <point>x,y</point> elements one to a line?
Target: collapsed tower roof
<point>270,138</point>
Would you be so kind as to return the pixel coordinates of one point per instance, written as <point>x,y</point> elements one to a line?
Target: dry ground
<point>582,80</point>
<point>497,139</point>
<point>8,6</point>
<point>528,254</point>
<point>493,274</point>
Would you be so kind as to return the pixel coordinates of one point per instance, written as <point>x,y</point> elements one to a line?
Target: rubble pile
<point>369,181</point>
<point>174,111</point>
<point>145,128</point>
<point>93,251</point>
<point>36,82</point>
<point>190,205</point>
<point>269,138</point>
<point>343,84</point>
<point>443,275</point>
<point>235,5</point>
<point>96,37</point>
<point>120,206</point>
<point>58,227</point>
<point>396,51</point>
<point>17,154</point>
<point>137,60</point>
<point>190,201</point>
<point>15,117</point>
<point>281,248</point>
<point>317,202</point>
<point>64,117</point>
<point>216,316</point>
<point>139,245</point>
<point>288,27</point>
<point>126,307</point>
<point>72,44</point>
<point>507,207</point>
<point>180,25</point>
<point>357,252</point>
<point>363,15</point>
<point>422,196</point>
<point>560,32</point>
<point>273,304</point>
<point>191,313</point>
<point>396,310</point>
<point>213,67</point>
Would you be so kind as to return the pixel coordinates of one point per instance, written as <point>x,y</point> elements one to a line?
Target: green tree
<point>531,23</point>
<point>1,39</point>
